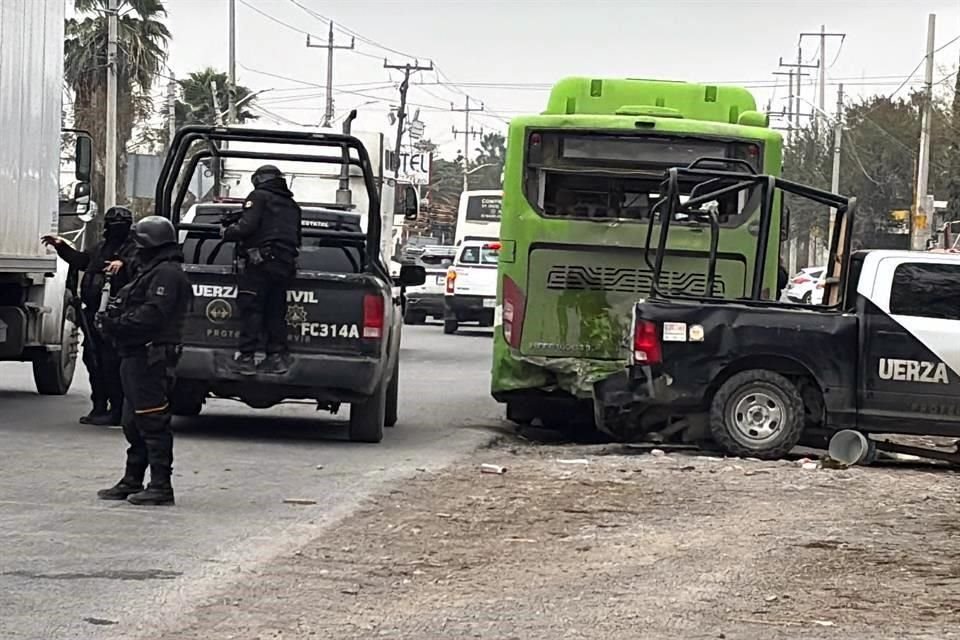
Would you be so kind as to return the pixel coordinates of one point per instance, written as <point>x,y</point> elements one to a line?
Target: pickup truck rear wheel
<point>186,398</point>
<point>393,396</point>
<point>757,413</point>
<point>450,325</point>
<point>368,417</point>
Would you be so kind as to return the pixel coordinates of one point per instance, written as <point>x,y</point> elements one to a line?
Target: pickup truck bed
<point>341,350</point>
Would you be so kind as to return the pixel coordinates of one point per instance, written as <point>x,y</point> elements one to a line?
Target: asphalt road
<point>73,567</point>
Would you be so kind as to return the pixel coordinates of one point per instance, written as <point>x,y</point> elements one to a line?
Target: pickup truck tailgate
<point>326,313</point>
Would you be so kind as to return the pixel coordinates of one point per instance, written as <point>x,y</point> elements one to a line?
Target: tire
<point>807,298</point>
<point>187,399</point>
<point>450,326</point>
<point>393,396</point>
<point>518,416</point>
<point>53,370</point>
<point>757,414</point>
<point>414,317</point>
<point>368,417</point>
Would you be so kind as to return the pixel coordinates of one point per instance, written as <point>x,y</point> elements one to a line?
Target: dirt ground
<point>625,546</point>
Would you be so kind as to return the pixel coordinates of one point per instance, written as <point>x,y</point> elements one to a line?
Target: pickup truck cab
<point>471,285</point>
<point>344,314</point>
<point>426,300</point>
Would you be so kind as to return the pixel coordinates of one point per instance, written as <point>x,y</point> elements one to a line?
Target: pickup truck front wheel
<point>757,413</point>
<point>368,417</point>
<point>450,326</point>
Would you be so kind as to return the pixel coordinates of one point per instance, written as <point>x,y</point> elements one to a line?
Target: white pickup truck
<point>471,290</point>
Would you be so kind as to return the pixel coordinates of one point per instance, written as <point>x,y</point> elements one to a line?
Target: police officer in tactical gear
<point>146,320</point>
<point>113,256</point>
<point>268,233</point>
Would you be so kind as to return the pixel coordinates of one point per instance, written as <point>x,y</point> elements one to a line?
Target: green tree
<point>141,55</point>
<point>492,153</point>
<point>952,181</point>
<point>197,105</point>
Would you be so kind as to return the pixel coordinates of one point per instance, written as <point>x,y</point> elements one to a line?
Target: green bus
<point>580,182</point>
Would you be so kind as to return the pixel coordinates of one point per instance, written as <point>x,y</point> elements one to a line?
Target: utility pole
<point>232,89</point>
<point>402,111</point>
<point>822,65</point>
<point>789,113</point>
<point>110,162</point>
<point>218,114</point>
<point>329,46</point>
<point>171,110</point>
<point>835,179</point>
<point>923,209</point>
<point>799,74</point>
<point>467,132</point>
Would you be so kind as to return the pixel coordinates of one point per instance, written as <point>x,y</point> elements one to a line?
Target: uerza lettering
<point>324,330</point>
<point>913,371</point>
<point>230,292</point>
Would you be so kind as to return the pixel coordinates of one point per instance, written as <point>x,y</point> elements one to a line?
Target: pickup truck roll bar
<point>168,203</point>
<point>712,184</point>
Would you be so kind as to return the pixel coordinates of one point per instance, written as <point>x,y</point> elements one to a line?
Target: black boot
<point>132,482</point>
<point>245,364</point>
<point>104,420</point>
<point>98,411</point>
<point>275,363</point>
<point>158,493</point>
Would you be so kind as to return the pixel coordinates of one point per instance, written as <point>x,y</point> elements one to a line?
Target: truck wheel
<point>393,395</point>
<point>414,317</point>
<point>53,370</point>
<point>368,417</point>
<point>757,413</point>
<point>450,326</point>
<point>187,399</point>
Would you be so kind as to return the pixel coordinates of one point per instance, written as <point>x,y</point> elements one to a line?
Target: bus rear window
<point>605,176</point>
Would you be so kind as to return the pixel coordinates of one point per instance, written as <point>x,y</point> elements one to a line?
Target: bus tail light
<point>451,280</point>
<point>646,343</point>
<point>373,316</point>
<point>513,308</point>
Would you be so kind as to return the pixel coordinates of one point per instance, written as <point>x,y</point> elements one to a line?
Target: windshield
<point>479,255</point>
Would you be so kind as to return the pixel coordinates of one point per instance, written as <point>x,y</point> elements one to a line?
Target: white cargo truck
<point>38,320</point>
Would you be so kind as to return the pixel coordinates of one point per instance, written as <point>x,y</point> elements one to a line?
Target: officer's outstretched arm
<point>249,222</point>
<point>156,312</point>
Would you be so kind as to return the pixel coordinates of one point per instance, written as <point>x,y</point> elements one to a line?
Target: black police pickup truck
<point>343,311</point>
<point>756,376</point>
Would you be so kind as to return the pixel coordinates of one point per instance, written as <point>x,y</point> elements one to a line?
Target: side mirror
<point>784,222</point>
<point>411,276</point>
<point>81,201</point>
<point>84,158</point>
<point>411,202</point>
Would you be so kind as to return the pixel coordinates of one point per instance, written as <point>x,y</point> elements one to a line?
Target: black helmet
<point>118,215</point>
<point>154,231</point>
<point>264,174</point>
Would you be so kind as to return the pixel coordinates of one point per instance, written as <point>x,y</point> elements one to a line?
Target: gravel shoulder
<point>624,546</point>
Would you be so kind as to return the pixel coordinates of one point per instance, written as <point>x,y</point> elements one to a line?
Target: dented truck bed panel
<point>822,345</point>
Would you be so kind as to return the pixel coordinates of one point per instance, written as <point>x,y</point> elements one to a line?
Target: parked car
<point>807,286</point>
<point>426,300</point>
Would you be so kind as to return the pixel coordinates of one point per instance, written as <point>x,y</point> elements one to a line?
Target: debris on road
<point>492,468</point>
<point>574,461</point>
<point>300,501</point>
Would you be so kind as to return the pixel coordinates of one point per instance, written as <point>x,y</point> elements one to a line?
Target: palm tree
<point>198,105</point>
<point>492,152</point>
<point>141,56</point>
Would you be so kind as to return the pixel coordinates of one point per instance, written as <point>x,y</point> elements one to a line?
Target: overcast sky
<point>505,53</point>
